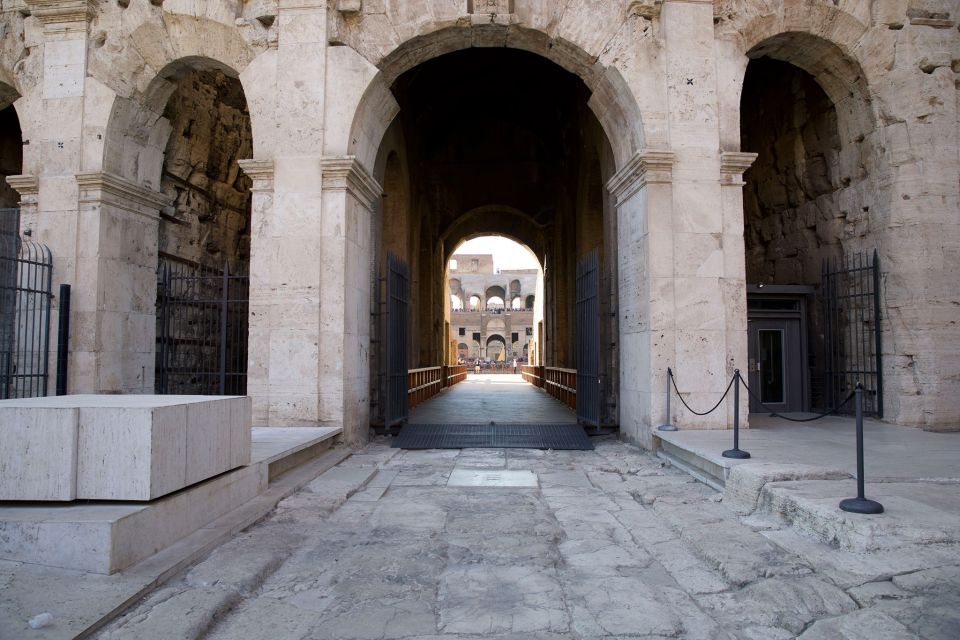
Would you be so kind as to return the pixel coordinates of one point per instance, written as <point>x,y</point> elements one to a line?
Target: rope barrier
<point>780,415</point>
<point>688,406</point>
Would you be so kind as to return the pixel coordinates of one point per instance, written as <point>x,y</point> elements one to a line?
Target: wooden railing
<point>455,373</point>
<point>532,374</point>
<point>423,384</point>
<point>561,384</point>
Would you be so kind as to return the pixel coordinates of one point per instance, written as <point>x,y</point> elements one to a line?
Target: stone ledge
<point>915,513</point>
<point>108,537</point>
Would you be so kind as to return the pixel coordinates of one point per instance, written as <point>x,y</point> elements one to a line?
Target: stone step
<point>807,497</point>
<point>105,537</point>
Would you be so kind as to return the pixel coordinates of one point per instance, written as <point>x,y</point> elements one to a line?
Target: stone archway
<point>546,234</point>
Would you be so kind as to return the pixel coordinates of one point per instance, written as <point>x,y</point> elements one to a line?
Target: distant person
<point>476,367</point>
<point>514,365</point>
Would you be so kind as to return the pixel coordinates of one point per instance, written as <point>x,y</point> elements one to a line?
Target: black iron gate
<point>26,269</point>
<point>851,303</point>
<point>588,339</point>
<point>395,347</point>
<point>201,330</point>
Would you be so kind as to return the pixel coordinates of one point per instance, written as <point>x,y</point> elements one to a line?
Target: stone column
<point>101,229</point>
<point>643,197</point>
<point>266,301</point>
<point>113,319</point>
<point>346,250</point>
<point>733,284</point>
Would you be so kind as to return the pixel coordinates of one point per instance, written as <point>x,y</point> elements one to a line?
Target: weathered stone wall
<point>793,217</point>
<point>209,219</point>
<point>662,79</point>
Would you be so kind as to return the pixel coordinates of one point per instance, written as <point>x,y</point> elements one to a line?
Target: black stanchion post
<point>668,425</point>
<point>63,339</point>
<point>736,452</point>
<point>860,504</point>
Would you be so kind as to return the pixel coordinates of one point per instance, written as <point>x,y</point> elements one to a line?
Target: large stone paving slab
<point>608,544</point>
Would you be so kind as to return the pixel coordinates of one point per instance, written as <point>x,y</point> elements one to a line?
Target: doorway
<point>778,374</point>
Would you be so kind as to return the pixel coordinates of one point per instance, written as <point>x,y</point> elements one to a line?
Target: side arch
<point>824,41</point>
<point>135,132</point>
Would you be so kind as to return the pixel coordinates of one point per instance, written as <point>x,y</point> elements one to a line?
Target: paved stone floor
<point>498,397</point>
<point>609,544</point>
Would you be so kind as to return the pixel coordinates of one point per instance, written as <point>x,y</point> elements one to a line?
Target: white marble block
<point>38,453</point>
<point>127,447</point>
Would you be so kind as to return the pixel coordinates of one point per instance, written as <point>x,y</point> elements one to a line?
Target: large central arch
<point>611,101</point>
<point>374,134</point>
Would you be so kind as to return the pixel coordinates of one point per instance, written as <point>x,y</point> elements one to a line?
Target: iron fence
<point>851,303</point>
<point>26,268</point>
<point>201,330</point>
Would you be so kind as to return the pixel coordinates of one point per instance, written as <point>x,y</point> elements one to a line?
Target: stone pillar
<point>733,284</point>
<point>643,197</point>
<point>113,318</point>
<point>101,229</point>
<point>346,250</point>
<point>266,300</point>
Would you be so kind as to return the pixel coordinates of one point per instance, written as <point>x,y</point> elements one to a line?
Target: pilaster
<point>109,190</point>
<point>29,189</point>
<point>349,194</point>
<point>344,173</point>
<point>62,16</point>
<point>646,167</point>
<point>733,164</point>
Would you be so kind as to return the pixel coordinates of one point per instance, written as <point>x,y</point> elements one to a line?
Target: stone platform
<point>799,472</point>
<point>118,447</point>
<point>105,537</point>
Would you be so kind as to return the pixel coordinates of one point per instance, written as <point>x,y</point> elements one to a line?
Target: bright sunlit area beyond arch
<point>495,318</point>
<point>507,254</point>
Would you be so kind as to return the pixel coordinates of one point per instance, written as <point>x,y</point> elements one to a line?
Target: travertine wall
<point>91,81</point>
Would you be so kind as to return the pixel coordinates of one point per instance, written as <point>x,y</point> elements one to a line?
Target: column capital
<point>106,188</point>
<point>650,166</point>
<point>62,16</point>
<point>27,186</point>
<point>260,171</point>
<point>733,164</point>
<point>345,173</point>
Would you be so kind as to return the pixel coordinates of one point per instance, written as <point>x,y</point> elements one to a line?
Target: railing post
<point>668,426</point>
<point>860,504</point>
<point>736,452</point>
<point>224,300</point>
<point>63,338</point>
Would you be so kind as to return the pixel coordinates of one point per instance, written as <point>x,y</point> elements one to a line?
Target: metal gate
<point>588,339</point>
<point>397,319</point>
<point>851,303</point>
<point>26,268</point>
<point>201,330</point>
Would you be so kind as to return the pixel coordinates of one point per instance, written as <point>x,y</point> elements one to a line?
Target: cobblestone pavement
<point>610,544</point>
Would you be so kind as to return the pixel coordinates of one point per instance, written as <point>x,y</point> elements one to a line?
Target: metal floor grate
<point>492,436</point>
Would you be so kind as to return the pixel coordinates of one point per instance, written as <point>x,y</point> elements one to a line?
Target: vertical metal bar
<point>862,318</point>
<point>26,380</point>
<point>736,409</point>
<point>160,383</point>
<point>859,412</point>
<point>48,288</point>
<point>223,327</point>
<point>63,338</point>
<point>876,329</point>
